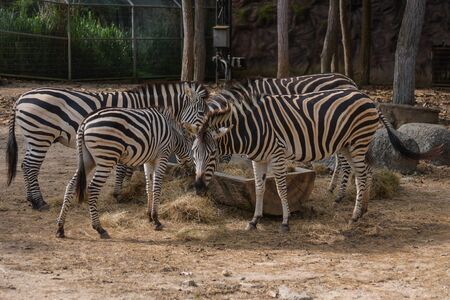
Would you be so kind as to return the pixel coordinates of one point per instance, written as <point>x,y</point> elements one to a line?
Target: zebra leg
<point>368,187</point>
<point>336,173</point>
<point>100,176</point>
<point>158,174</point>
<point>121,173</point>
<point>31,165</point>
<point>361,176</point>
<point>68,197</point>
<point>346,171</point>
<point>260,171</point>
<point>280,172</point>
<point>148,170</point>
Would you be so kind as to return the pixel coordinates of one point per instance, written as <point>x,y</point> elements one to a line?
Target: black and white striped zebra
<point>131,137</point>
<point>297,86</point>
<point>50,115</point>
<point>274,129</point>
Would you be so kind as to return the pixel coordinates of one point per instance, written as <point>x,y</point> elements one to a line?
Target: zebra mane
<point>198,88</point>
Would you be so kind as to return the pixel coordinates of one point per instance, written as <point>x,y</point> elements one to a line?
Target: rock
<point>226,273</point>
<point>383,155</point>
<point>186,273</point>
<point>285,293</point>
<point>428,136</point>
<point>272,294</point>
<point>189,283</point>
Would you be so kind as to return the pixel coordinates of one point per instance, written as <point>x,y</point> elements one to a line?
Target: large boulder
<point>428,136</point>
<point>383,155</point>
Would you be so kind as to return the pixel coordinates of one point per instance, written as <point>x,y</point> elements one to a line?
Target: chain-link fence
<point>93,39</point>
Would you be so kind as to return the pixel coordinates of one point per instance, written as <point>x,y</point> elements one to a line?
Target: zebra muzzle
<point>200,187</point>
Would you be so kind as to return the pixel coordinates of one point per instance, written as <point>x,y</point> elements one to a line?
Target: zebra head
<point>194,103</point>
<point>205,152</point>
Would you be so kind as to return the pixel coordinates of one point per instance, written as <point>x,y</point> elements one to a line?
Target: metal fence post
<point>69,44</point>
<point>133,41</point>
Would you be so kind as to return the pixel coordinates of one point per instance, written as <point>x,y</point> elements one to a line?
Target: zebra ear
<point>220,132</point>
<point>192,129</point>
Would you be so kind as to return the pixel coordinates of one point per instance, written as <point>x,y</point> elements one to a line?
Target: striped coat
<point>49,115</point>
<point>131,137</point>
<point>273,129</point>
<point>297,86</point>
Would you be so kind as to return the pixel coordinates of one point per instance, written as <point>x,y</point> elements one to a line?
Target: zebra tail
<point>400,147</point>
<point>80,184</point>
<point>11,148</point>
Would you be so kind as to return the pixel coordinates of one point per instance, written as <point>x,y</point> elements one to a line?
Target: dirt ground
<point>400,249</point>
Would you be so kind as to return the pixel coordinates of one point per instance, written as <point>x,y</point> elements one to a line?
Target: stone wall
<point>254,36</point>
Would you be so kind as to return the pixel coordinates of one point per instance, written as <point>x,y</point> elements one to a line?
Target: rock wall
<point>255,37</point>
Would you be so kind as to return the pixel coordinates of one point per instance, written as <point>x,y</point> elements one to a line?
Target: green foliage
<point>99,47</point>
<point>266,14</point>
<point>242,15</point>
<point>302,10</point>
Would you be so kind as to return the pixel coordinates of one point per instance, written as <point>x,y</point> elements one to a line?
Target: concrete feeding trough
<point>239,191</point>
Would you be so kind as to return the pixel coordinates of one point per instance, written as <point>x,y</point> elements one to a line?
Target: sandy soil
<point>400,249</point>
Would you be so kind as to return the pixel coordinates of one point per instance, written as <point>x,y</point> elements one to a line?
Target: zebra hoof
<point>60,233</point>
<point>284,228</point>
<point>40,206</point>
<point>158,227</point>
<point>338,199</point>
<point>104,235</point>
<point>251,226</point>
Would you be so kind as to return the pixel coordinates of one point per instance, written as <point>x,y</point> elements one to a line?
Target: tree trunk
<point>187,67</point>
<point>199,41</point>
<point>405,54</point>
<point>329,44</point>
<point>346,42</point>
<point>283,39</point>
<point>365,42</point>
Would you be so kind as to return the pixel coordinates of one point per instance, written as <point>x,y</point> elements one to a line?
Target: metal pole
<point>69,45</point>
<point>134,48</point>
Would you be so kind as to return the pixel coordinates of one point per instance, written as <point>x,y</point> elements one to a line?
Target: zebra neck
<point>239,139</point>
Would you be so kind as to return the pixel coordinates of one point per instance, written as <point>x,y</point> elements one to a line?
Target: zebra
<point>273,129</point>
<point>51,115</point>
<point>297,86</point>
<point>131,137</point>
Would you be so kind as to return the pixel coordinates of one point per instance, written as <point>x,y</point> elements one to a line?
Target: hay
<point>190,207</point>
<point>117,219</point>
<point>134,189</point>
<point>320,169</point>
<point>385,184</point>
<point>237,170</point>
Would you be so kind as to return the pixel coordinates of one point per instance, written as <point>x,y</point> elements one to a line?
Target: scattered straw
<point>190,207</point>
<point>320,169</point>
<point>237,170</point>
<point>117,219</point>
<point>134,189</point>
<point>385,184</point>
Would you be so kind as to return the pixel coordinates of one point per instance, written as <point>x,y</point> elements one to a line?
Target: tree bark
<point>331,37</point>
<point>283,38</point>
<point>405,54</point>
<point>199,41</point>
<point>346,42</point>
<point>365,42</point>
<point>187,67</point>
